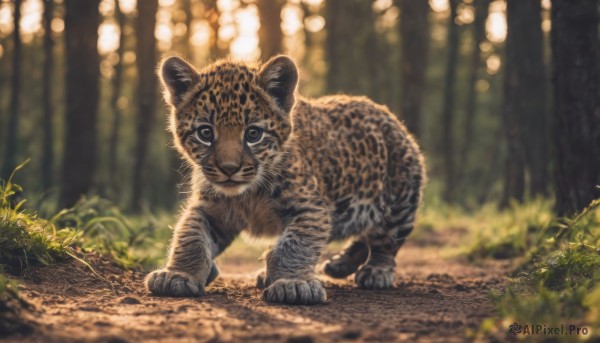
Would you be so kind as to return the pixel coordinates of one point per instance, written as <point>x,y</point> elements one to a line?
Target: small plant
<point>103,228</point>
<point>559,278</point>
<point>26,239</point>
<point>93,224</point>
<point>512,233</point>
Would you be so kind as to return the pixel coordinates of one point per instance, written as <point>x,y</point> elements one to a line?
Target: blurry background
<point>79,96</point>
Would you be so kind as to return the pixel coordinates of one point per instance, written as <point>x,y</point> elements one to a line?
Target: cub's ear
<point>279,78</point>
<point>177,77</point>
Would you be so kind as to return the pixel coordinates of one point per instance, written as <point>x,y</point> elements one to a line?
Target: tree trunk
<point>309,40</point>
<point>349,23</point>
<point>533,109</point>
<point>270,34</point>
<point>414,37</point>
<point>524,100</point>
<point>12,146</point>
<point>174,179</point>
<point>448,105</point>
<point>117,86</point>
<point>514,164</point>
<point>185,40</point>
<point>212,16</point>
<point>146,93</point>
<point>538,129</point>
<point>48,121</point>
<point>82,76</point>
<point>481,14</point>
<point>576,60</point>
<point>382,75</point>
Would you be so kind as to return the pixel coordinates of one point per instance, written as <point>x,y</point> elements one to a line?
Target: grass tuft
<point>93,224</point>
<point>26,239</point>
<point>558,281</point>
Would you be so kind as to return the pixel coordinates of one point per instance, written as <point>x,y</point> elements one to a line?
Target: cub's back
<point>344,142</point>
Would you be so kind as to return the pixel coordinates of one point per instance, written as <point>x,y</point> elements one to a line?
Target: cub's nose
<point>229,168</point>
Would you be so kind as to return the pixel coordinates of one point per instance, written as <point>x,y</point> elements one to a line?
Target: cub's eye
<point>254,135</point>
<point>205,134</point>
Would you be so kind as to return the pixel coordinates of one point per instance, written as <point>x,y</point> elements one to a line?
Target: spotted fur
<point>323,169</point>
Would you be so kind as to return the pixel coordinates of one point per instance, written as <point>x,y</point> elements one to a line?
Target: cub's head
<point>231,119</point>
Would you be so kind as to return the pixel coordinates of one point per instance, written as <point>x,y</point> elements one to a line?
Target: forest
<point>502,96</point>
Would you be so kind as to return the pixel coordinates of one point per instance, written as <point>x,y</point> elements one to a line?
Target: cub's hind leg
<point>348,260</point>
<point>398,202</point>
<point>378,271</point>
<point>384,242</point>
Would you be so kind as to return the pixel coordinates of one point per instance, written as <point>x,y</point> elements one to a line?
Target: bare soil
<point>435,299</point>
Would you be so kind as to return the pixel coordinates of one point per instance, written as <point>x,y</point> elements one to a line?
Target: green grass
<point>102,227</point>
<point>558,278</point>
<point>487,232</point>
<point>556,261</point>
<point>92,225</point>
<point>511,233</point>
<point>26,239</point>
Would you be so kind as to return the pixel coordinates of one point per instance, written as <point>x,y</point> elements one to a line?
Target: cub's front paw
<point>375,277</point>
<point>174,284</point>
<point>295,292</point>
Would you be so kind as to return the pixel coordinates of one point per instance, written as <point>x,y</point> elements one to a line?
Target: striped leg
<point>378,271</point>
<point>197,241</point>
<point>290,276</point>
<point>384,242</point>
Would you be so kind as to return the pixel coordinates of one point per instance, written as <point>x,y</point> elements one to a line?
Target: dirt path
<point>436,299</point>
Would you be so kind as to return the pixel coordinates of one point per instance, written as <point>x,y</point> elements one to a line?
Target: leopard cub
<point>271,162</point>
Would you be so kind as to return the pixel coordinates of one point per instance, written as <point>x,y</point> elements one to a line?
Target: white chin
<point>231,191</point>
